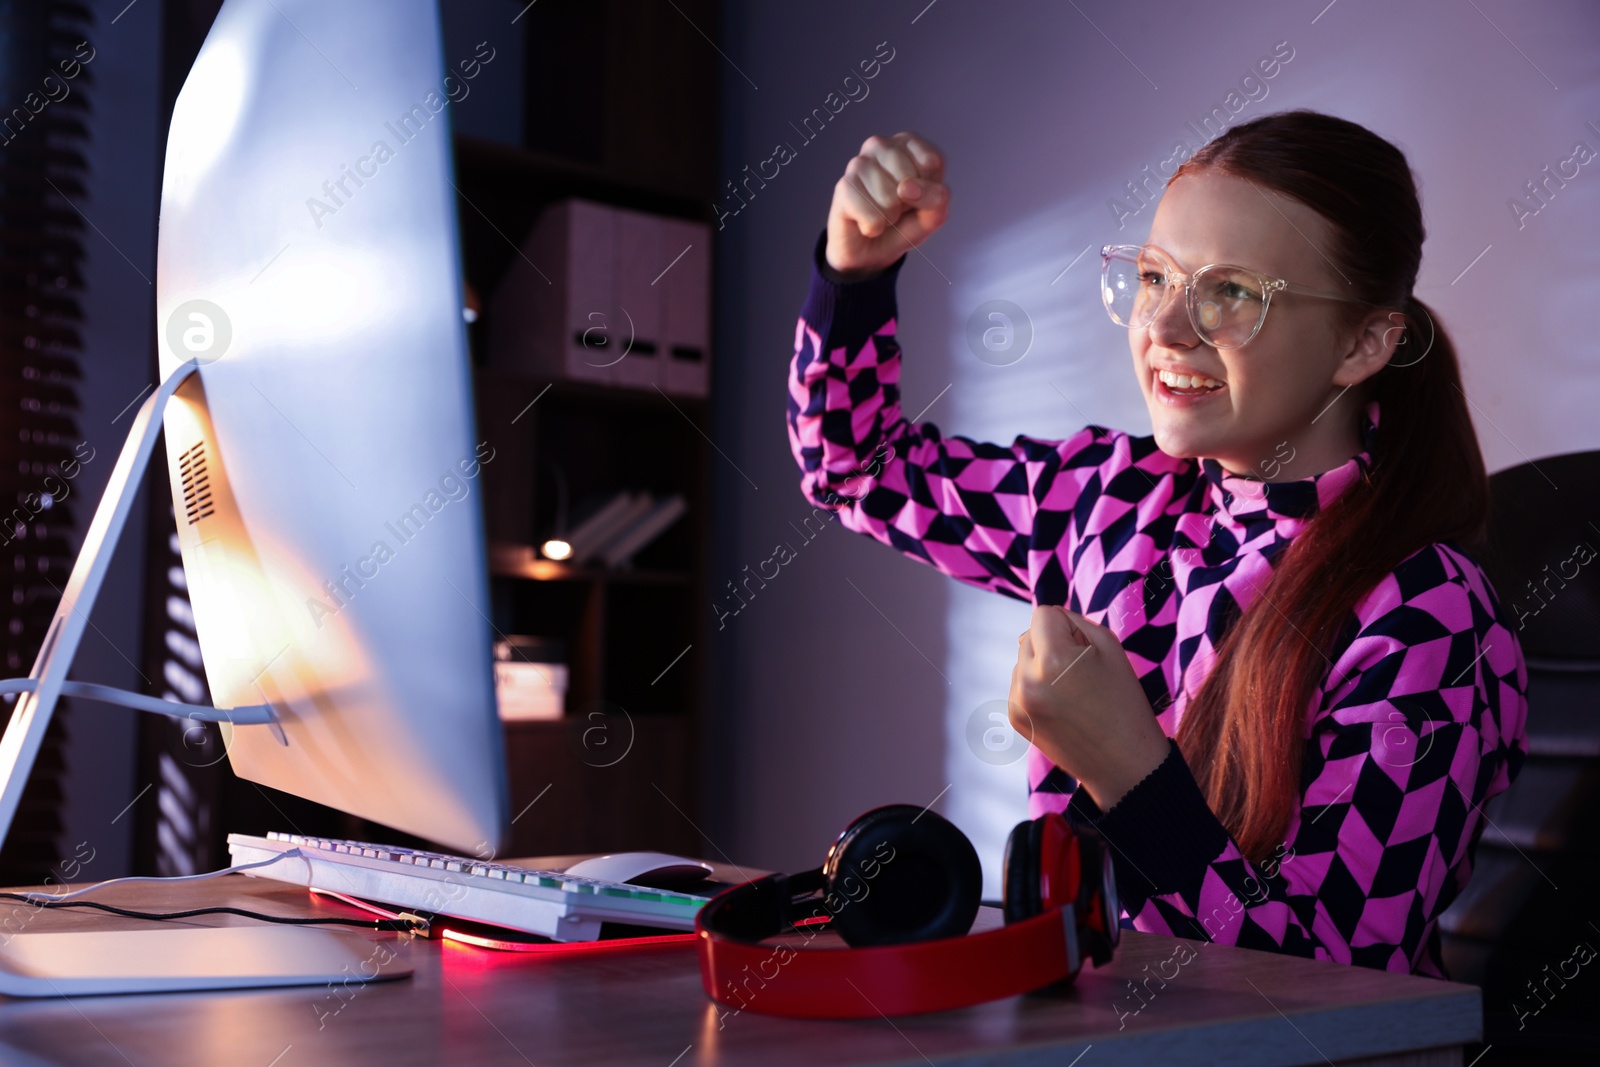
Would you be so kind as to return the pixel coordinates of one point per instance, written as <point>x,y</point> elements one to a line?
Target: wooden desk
<point>470,1006</point>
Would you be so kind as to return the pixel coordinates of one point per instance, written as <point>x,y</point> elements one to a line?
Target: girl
<point>1263,661</point>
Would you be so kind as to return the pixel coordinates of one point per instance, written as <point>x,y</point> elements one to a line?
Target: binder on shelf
<point>636,259</point>
<point>610,296</point>
<point>686,304</point>
<point>548,316</point>
<point>649,526</point>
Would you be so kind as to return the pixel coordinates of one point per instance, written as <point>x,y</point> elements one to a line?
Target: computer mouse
<point>657,869</point>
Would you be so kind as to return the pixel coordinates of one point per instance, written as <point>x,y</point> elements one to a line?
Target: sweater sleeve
<point>1419,722</point>
<point>985,514</point>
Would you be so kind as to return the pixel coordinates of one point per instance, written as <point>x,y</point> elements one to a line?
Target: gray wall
<point>850,679</point>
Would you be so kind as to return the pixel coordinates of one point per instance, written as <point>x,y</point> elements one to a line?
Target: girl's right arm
<point>988,515</point>
<point>995,517</point>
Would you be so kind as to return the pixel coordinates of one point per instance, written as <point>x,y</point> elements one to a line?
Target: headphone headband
<point>921,976</point>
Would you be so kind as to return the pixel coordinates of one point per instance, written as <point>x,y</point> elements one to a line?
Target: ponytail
<point>1243,732</point>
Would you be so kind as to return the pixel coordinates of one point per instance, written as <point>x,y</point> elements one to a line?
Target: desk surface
<point>472,1006</point>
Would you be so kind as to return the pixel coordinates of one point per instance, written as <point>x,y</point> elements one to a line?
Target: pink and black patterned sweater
<point>1419,719</point>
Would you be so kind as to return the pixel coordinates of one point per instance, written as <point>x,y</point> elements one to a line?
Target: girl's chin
<point>1181,445</point>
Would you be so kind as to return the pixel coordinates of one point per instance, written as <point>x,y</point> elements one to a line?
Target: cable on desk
<point>403,924</point>
<point>34,898</point>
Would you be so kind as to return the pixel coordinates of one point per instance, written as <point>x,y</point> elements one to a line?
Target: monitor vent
<point>197,503</point>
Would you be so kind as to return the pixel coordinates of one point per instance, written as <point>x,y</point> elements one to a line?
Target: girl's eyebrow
<point>1230,260</point>
<point>1176,260</point>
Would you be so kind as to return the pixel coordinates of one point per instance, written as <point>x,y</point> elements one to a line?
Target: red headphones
<point>901,886</point>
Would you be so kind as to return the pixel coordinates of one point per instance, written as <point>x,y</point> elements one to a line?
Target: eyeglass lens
<point>1227,305</point>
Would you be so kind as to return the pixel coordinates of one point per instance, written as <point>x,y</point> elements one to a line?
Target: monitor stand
<point>47,682</point>
<point>162,957</point>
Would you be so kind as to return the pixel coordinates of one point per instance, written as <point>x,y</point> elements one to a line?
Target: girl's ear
<point>1373,344</point>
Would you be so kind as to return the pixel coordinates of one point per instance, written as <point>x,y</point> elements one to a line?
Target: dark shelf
<point>542,176</point>
<point>621,107</point>
<point>519,561</point>
<point>592,394</point>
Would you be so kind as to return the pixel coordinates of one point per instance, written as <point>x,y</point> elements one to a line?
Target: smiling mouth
<point>1185,385</point>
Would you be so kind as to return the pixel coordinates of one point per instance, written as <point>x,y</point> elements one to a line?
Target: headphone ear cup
<point>1021,871</point>
<point>1097,905</point>
<point>1074,867</point>
<point>901,873</point>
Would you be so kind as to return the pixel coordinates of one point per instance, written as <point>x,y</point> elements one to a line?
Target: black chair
<point>1526,928</point>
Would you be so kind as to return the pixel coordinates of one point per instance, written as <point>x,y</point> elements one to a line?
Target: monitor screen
<point>325,466</point>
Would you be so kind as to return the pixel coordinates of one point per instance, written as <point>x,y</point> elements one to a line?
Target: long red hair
<point>1243,732</point>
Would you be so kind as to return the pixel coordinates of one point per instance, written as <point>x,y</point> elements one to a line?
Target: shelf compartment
<point>595,805</point>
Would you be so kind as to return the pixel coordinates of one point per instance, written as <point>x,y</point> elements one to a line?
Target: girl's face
<point>1271,419</point>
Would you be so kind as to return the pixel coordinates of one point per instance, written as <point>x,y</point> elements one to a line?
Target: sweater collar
<point>1240,496</point>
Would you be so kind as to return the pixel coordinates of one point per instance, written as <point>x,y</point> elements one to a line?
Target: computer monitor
<point>325,465</point>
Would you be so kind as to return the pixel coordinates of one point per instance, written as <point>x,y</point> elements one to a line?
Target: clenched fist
<point>1074,694</point>
<point>890,200</point>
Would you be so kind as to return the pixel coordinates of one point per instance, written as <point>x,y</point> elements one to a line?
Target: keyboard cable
<point>406,923</point>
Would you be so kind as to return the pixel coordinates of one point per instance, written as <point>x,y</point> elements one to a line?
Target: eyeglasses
<point>1227,304</point>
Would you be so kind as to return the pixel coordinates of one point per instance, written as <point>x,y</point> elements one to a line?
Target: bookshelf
<point>620,108</point>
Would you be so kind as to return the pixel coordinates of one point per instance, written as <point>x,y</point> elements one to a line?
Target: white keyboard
<point>556,905</point>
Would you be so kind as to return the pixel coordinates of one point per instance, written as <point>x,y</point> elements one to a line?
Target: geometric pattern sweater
<point>1420,718</point>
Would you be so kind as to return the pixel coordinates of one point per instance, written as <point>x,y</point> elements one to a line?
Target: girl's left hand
<point>1075,696</point>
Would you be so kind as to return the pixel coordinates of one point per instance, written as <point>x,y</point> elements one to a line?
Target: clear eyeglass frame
<point>1268,286</point>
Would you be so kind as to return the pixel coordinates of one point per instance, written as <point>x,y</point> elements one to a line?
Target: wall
<point>849,681</point>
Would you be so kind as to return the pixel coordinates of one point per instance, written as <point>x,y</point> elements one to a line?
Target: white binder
<point>607,295</point>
